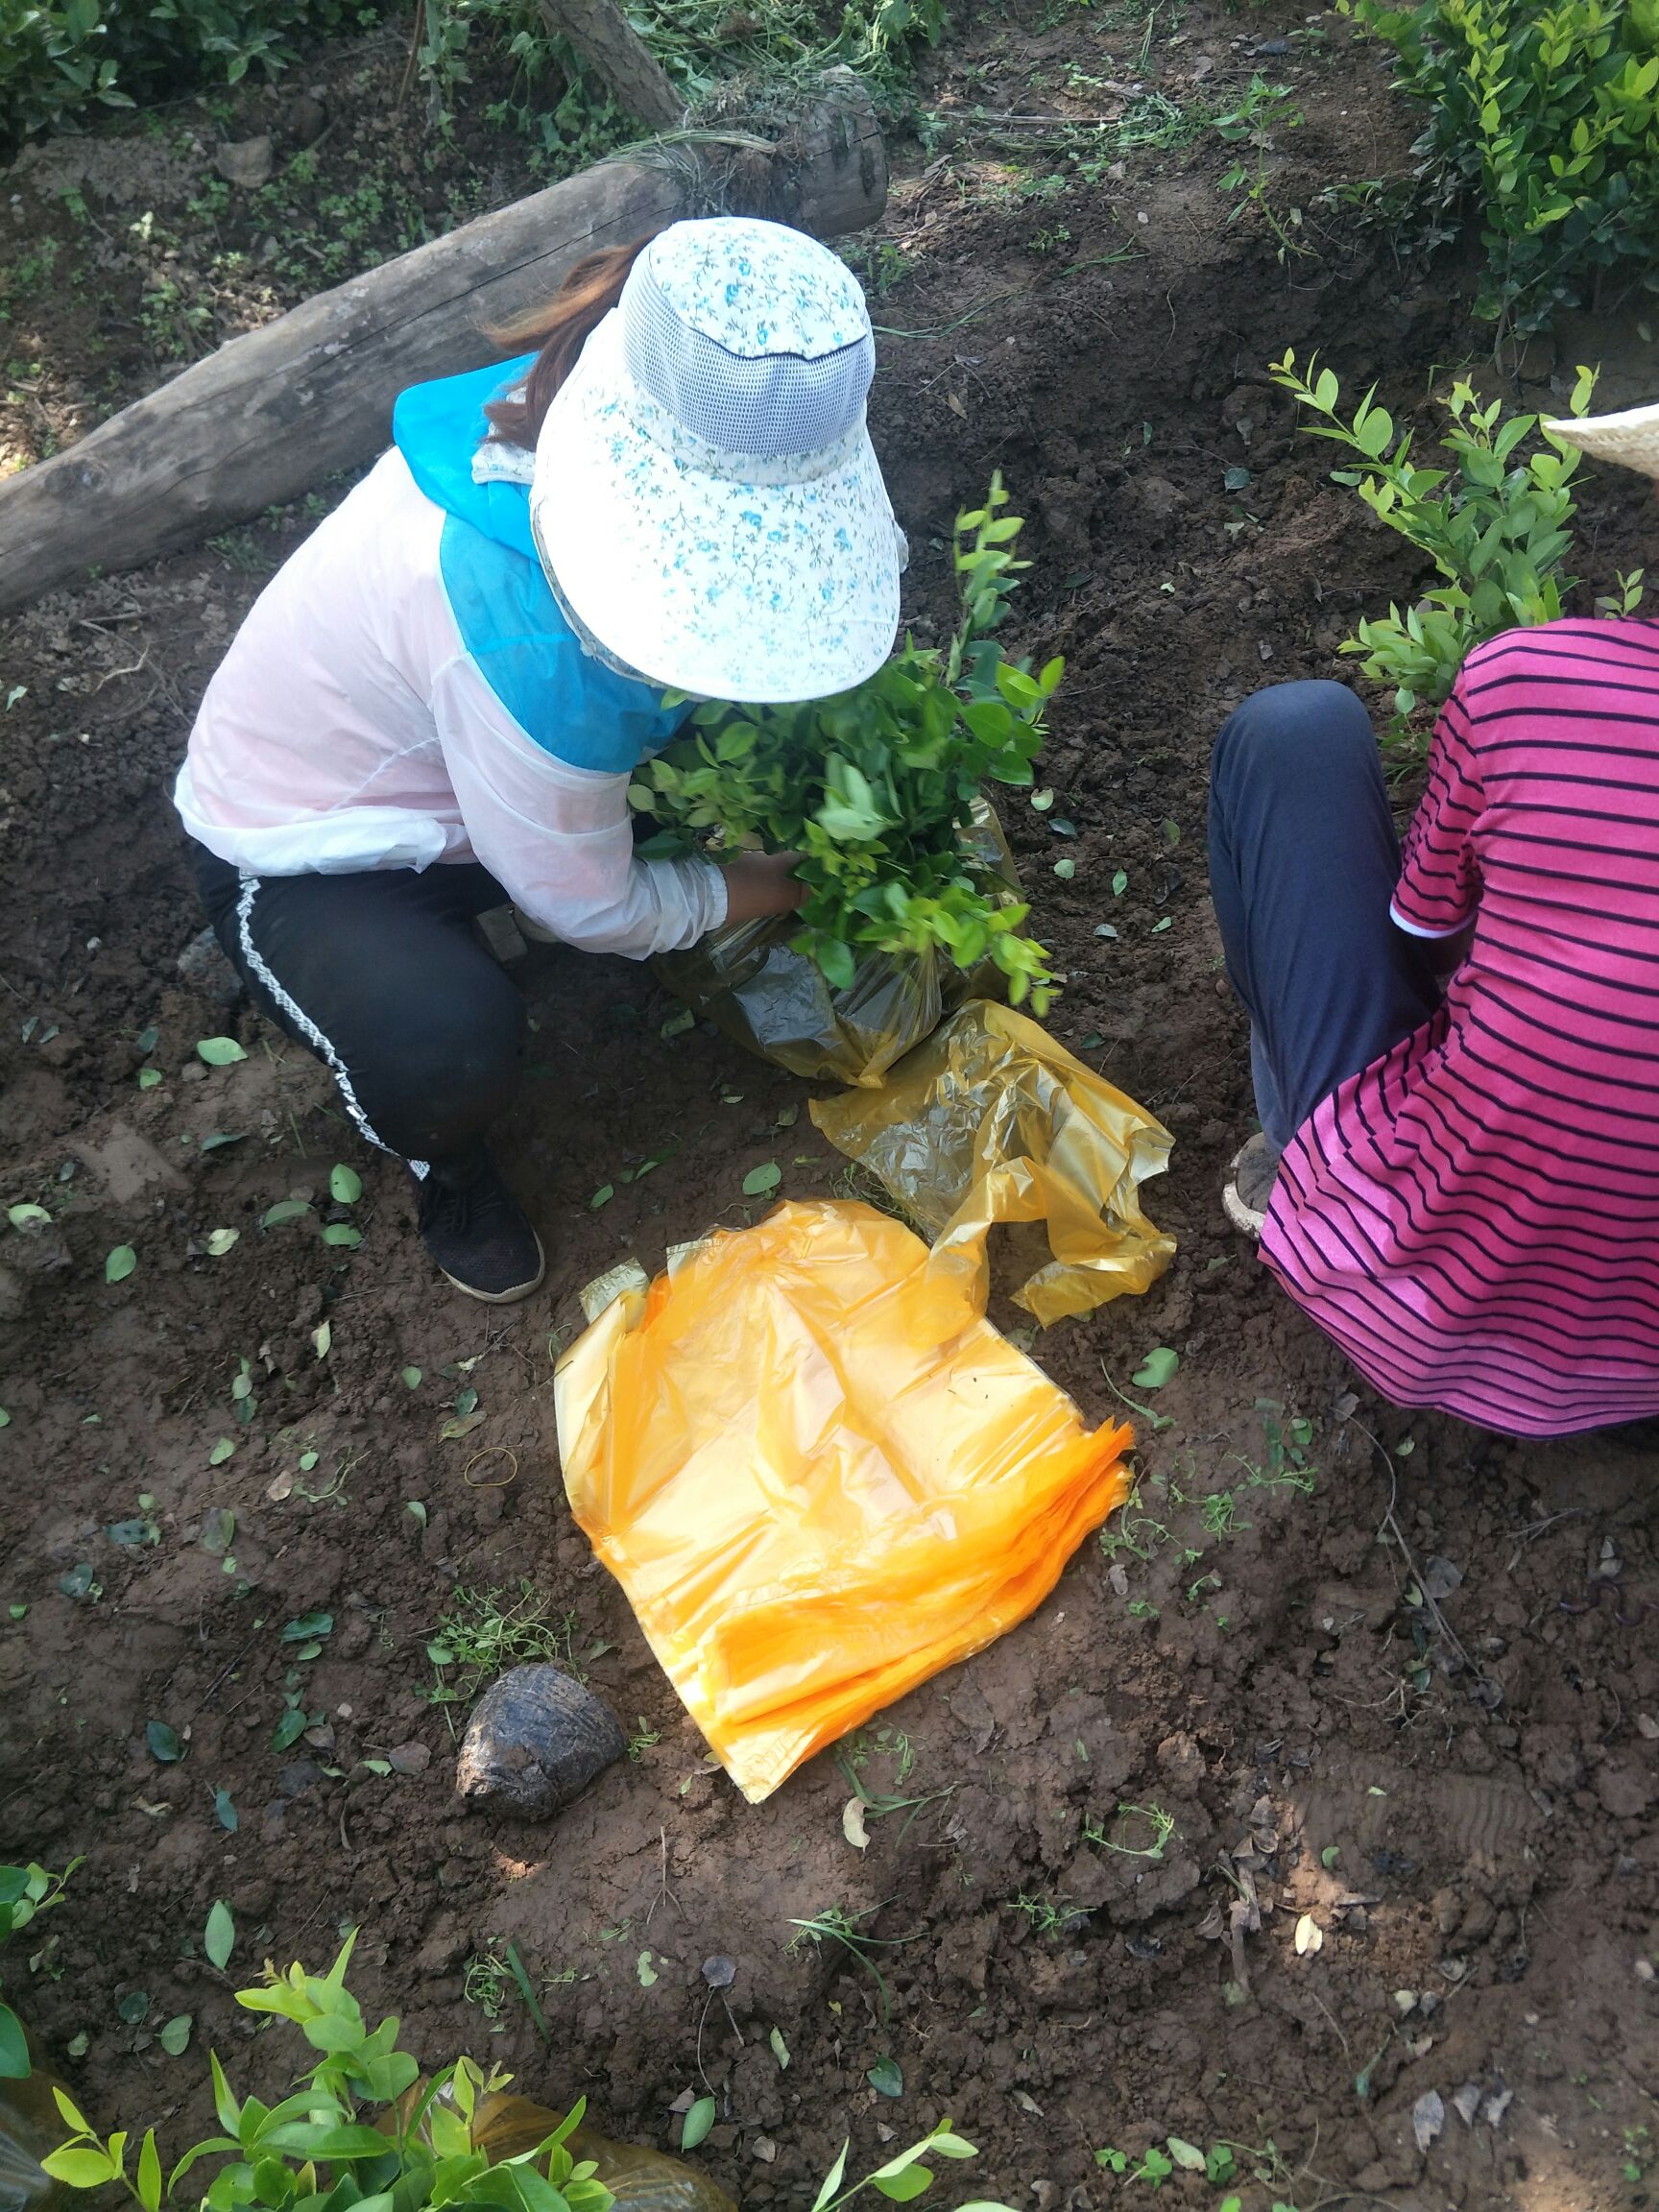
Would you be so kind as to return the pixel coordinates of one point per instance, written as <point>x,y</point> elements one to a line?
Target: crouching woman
<point>1455,1052</point>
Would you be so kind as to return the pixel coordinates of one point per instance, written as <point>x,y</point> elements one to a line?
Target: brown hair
<point>558,332</point>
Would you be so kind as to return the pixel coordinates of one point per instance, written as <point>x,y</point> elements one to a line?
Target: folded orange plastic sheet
<point>820,1475</point>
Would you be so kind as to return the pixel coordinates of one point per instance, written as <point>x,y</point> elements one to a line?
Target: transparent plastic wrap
<point>819,1475</point>
<point>640,2180</point>
<point>30,2129</point>
<point>990,1120</point>
<point>776,1003</point>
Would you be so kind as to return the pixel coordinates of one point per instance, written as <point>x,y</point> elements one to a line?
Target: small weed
<point>1162,1825</point>
<point>1134,1531</point>
<point>482,1632</point>
<point>643,1739</point>
<point>489,1983</point>
<point>1048,1916</point>
<point>836,1925</point>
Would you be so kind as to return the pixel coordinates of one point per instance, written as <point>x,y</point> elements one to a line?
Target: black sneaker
<point>476,1231</point>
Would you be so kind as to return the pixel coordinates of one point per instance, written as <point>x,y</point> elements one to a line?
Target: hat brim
<point>1630,439</point>
<point>708,581</point>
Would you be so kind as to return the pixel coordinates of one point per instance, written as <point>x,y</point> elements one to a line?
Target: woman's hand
<point>758,884</point>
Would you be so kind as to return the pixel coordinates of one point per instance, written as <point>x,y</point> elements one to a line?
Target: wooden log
<point>271,413</point>
<point>608,44</point>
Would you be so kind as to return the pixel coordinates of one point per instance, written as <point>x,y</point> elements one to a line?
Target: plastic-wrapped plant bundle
<point>913,901</point>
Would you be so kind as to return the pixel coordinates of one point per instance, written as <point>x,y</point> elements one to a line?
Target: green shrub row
<point>1549,116</point>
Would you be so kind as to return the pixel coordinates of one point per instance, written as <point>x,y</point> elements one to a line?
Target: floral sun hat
<point>1631,439</point>
<point>706,499</point>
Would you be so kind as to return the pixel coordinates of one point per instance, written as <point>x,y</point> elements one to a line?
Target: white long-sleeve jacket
<point>405,692</point>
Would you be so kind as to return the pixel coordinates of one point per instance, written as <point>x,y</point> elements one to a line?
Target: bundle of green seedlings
<point>875,789</point>
<point>1496,526</point>
<point>363,2133</point>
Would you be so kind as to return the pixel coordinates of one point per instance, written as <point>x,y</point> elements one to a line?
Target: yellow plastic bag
<point>820,1475</point>
<point>991,1121</point>
<point>775,1003</point>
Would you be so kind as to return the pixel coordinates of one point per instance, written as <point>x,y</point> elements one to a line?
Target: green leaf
<point>148,1078</point>
<point>149,2180</point>
<point>222,1451</point>
<point>288,1730</point>
<point>120,1264</point>
<point>902,2187</point>
<point>1066,869</point>
<point>697,2124</point>
<point>225,1812</point>
<point>603,1196</point>
<point>779,2048</point>
<point>175,2036</point>
<point>24,1217</point>
<point>220,1939</point>
<point>341,1232</point>
<point>1186,2155</point>
<point>220,1051</point>
<point>284,1210</point>
<point>164,1741</point>
<point>307,1627</point>
<point>760,1179</point>
<point>345,1184</point>
<point>13,2047</point>
<point>411,1377</point>
<point>1157,1368</point>
<point>134,2007</point>
<point>886,2079</point>
<point>79,2169</point>
<point>220,1241</point>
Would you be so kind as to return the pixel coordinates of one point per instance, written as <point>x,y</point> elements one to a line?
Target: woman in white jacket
<point>435,706</point>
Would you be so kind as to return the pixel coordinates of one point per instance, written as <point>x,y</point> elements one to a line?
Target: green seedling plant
<point>902,2178</point>
<point>25,1893</point>
<point>1549,118</point>
<point>1218,2165</point>
<point>1496,526</point>
<point>876,787</point>
<point>1250,127</point>
<point>380,2138</point>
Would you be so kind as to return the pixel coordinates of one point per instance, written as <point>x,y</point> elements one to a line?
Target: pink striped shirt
<point>1474,1217</point>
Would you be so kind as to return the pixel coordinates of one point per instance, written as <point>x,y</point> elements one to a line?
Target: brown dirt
<point>1466,1809</point>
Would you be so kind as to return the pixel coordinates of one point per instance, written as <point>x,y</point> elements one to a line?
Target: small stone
<point>247,162</point>
<point>1427,2118</point>
<point>535,1740</point>
<point>204,967</point>
<point>719,1971</point>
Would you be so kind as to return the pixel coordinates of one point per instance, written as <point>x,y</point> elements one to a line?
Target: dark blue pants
<point>1302,862</point>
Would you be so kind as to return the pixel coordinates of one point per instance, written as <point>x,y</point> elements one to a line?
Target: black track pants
<point>384,978</point>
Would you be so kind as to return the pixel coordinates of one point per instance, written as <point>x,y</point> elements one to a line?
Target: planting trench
<point>1242,1654</point>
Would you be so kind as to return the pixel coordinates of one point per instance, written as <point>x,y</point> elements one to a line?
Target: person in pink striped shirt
<point>1456,1050</point>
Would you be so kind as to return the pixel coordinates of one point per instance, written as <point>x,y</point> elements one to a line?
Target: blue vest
<point>569,703</point>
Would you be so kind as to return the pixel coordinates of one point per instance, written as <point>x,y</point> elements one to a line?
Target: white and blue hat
<point>706,498</point>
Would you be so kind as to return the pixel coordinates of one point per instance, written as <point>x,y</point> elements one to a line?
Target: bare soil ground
<point>1459,1794</point>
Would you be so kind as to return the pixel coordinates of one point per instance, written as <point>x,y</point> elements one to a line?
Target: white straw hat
<point>706,499</point>
<point>1630,439</point>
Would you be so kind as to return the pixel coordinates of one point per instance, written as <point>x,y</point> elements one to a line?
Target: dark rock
<point>535,1740</point>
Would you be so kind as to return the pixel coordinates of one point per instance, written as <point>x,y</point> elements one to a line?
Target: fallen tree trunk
<point>271,413</point>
